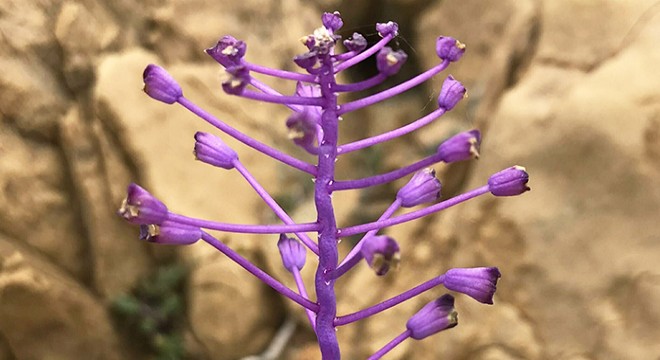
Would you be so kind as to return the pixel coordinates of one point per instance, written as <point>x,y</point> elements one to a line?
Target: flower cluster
<point>313,125</point>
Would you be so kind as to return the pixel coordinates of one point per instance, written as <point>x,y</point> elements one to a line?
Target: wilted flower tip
<point>434,317</point>
<point>160,85</point>
<point>332,21</point>
<point>356,43</point>
<point>237,78</point>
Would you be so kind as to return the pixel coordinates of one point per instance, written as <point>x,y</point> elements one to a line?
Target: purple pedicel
<point>314,125</point>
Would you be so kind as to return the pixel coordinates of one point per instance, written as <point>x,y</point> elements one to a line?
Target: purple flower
<point>228,51</point>
<point>388,28</point>
<point>237,79</point>
<point>451,93</point>
<point>509,182</point>
<point>389,62</point>
<point>293,253</point>
<point>381,253</point>
<point>332,21</point>
<point>462,146</point>
<point>160,85</point>
<point>423,187</point>
<point>307,61</point>
<point>434,317</point>
<point>449,48</point>
<point>212,150</point>
<point>170,233</point>
<point>479,283</point>
<point>140,207</point>
<point>356,43</point>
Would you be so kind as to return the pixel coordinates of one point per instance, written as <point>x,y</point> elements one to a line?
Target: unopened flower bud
<point>170,233</point>
<point>356,43</point>
<point>293,253</point>
<point>462,146</point>
<point>389,62</point>
<point>140,207</point>
<point>228,51</point>
<point>237,79</point>
<point>509,182</point>
<point>332,21</point>
<point>160,85</point>
<point>387,28</point>
<point>449,48</point>
<point>451,93</point>
<point>212,150</point>
<point>434,317</point>
<point>422,188</point>
<point>478,283</point>
<point>381,253</point>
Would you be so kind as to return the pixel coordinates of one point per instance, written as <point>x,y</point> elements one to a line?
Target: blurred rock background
<point>568,88</point>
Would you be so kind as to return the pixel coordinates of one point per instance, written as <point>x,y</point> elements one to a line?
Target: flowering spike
<point>434,317</point>
<point>238,77</point>
<point>388,28</point>
<point>449,49</point>
<point>170,233</point>
<point>293,253</point>
<point>228,51</point>
<point>462,146</point>
<point>140,207</point>
<point>212,150</point>
<point>160,85</point>
<point>451,93</point>
<point>356,43</point>
<point>422,188</point>
<point>478,283</point>
<point>389,62</point>
<point>332,21</point>
<point>381,253</point>
<point>509,182</point>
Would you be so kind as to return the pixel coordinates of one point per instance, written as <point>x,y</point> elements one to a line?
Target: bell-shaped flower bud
<point>381,253</point>
<point>449,48</point>
<point>212,150</point>
<point>462,146</point>
<point>434,317</point>
<point>238,77</point>
<point>389,62</point>
<point>307,61</point>
<point>332,21</point>
<point>387,28</point>
<point>356,43</point>
<point>302,129</point>
<point>160,85</point>
<point>140,207</point>
<point>422,188</point>
<point>478,283</point>
<point>293,253</point>
<point>170,233</point>
<point>509,182</point>
<point>228,51</point>
<point>451,93</point>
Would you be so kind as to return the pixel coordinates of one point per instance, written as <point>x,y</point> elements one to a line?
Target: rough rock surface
<point>567,88</point>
